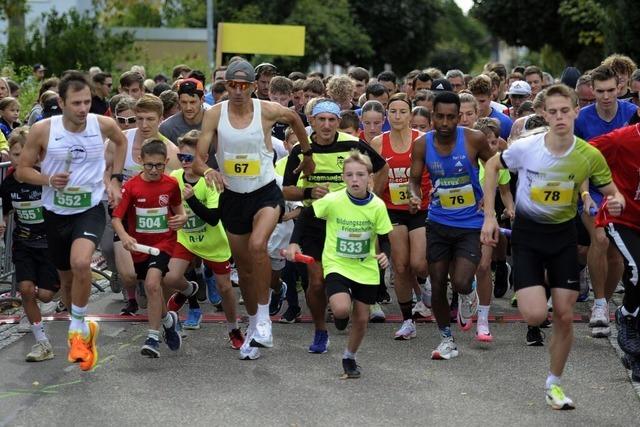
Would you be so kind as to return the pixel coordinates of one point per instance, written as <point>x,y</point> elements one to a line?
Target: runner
<point>153,208</point>
<point>372,118</point>
<point>355,219</point>
<point>71,148</point>
<point>551,166</point>
<point>251,204</point>
<point>450,154</point>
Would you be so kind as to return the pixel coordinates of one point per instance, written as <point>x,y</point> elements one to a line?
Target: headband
<point>326,107</point>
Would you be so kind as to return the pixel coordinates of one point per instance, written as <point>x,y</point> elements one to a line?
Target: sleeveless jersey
<point>244,159</point>
<point>456,185</point>
<point>82,154</point>
<point>396,193</point>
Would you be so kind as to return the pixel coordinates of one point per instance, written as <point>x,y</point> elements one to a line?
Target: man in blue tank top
<point>451,155</point>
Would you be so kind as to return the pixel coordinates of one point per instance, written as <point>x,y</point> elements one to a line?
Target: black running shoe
<point>535,337</point>
<point>628,334</point>
<point>291,315</point>
<point>350,368</point>
<point>633,364</point>
<point>501,281</point>
<point>130,309</point>
<point>546,324</point>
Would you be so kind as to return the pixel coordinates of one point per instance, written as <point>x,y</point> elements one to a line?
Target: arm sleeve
<point>209,215</point>
<point>510,157</point>
<point>303,220</point>
<point>293,161</point>
<point>385,244</point>
<point>376,160</point>
<point>6,200</point>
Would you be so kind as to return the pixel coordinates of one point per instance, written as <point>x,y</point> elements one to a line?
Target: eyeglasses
<point>235,84</point>
<point>126,120</point>
<point>185,157</point>
<point>151,166</point>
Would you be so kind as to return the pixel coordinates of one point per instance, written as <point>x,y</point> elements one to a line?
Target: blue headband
<point>326,107</point>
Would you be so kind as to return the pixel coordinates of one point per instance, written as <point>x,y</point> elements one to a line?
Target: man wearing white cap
<point>251,202</point>
<point>519,92</point>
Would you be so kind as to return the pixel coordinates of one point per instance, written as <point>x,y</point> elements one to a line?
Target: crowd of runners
<point>451,186</point>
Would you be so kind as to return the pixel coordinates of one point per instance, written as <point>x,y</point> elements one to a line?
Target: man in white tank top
<point>71,148</point>
<point>252,203</point>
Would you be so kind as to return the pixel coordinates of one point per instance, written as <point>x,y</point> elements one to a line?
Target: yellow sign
<point>262,39</point>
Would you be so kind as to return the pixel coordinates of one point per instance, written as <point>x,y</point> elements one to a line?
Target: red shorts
<point>221,268</point>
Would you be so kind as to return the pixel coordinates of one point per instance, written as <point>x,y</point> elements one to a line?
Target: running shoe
<point>514,300</point>
<point>599,322</point>
<point>501,281</point>
<point>172,334</point>
<point>40,351</point>
<point>420,310</point>
<point>151,348</point>
<point>384,297</point>
<point>628,334</point>
<point>556,398</point>
<point>24,327</point>
<point>406,331</point>
<point>585,285</point>
<point>246,351</point>
<point>47,308</point>
<point>177,300</point>
<point>447,349</point>
<point>236,339</point>
<point>350,368</point>
<point>483,334</point>
<point>320,342</point>
<point>84,350</point>
<point>453,307</point>
<point>633,364</point>
<point>291,315</point>
<point>212,291</point>
<point>262,336</point>
<point>468,308</point>
<point>426,293</point>
<point>130,309</point>
<point>535,337</point>
<point>376,315</point>
<point>114,282</point>
<point>194,317</point>
<point>275,305</point>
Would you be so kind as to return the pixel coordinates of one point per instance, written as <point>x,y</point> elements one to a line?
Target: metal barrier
<point>7,271</point>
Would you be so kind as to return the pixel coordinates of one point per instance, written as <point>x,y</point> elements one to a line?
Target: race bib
<point>243,165</point>
<point>457,198</point>
<point>29,212</point>
<point>152,221</point>
<point>194,223</point>
<point>552,193</point>
<point>73,198</point>
<point>353,245</point>
<point>399,192</point>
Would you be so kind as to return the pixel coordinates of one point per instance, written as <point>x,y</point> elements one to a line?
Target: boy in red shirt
<point>152,204</point>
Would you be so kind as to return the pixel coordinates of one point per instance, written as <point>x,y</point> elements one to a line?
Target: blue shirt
<point>208,98</point>
<point>589,125</point>
<point>505,123</point>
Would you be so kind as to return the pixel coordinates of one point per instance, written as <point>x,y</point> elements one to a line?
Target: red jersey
<point>621,149</point>
<point>147,207</point>
<point>396,193</point>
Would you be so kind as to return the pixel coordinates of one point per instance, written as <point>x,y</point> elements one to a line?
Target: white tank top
<point>82,154</point>
<point>242,154</point>
<point>131,168</point>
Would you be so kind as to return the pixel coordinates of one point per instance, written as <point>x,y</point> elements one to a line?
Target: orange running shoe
<point>84,350</point>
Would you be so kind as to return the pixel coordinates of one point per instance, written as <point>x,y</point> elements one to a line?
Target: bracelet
<point>50,176</point>
<point>307,193</point>
<point>207,171</point>
<point>583,193</point>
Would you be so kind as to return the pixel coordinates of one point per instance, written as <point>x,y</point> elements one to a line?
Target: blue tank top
<point>456,185</point>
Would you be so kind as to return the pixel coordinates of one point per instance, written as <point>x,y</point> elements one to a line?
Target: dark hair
<point>535,121</point>
<point>153,146</point>
<point>160,87</point>
<point>314,85</point>
<point>218,87</point>
<point>74,80</point>
<point>115,100</point>
<point>422,112</point>
<point>48,84</point>
<point>316,74</point>
<point>518,69</point>
<point>179,69</point>
<point>446,97</point>
<point>423,77</point>
<point>375,89</point>
<point>131,77</point>
<point>360,74</point>
<point>297,75</point>
<point>198,75</point>
<point>100,77</point>
<point>524,107</point>
<point>603,73</point>
<point>190,139</point>
<point>349,119</point>
<point>497,68</point>
<point>532,69</point>
<point>387,76</point>
<point>402,97</point>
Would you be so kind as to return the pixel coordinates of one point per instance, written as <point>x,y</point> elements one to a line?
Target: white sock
<point>483,313</point>
<point>231,326</point>
<point>77,320</point>
<point>152,333</point>
<point>167,321</point>
<point>348,355</point>
<point>600,302</point>
<point>189,289</point>
<point>38,331</point>
<point>552,379</point>
<point>253,320</point>
<point>626,313</point>
<point>263,312</point>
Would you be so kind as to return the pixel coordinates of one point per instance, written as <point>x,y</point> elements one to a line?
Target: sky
<point>465,5</point>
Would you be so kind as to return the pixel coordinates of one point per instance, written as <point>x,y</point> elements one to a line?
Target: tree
<point>13,11</point>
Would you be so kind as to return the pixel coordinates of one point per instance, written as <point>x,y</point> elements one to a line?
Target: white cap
<point>519,87</point>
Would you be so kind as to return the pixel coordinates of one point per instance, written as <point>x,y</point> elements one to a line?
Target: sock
<point>600,302</point>
<point>38,331</point>
<point>483,313</point>
<point>341,324</point>
<point>189,289</point>
<point>626,313</point>
<point>348,355</point>
<point>445,332</point>
<point>405,308</point>
<point>421,280</point>
<point>131,293</point>
<point>193,303</point>
<point>231,326</point>
<point>77,320</point>
<point>552,379</point>
<point>253,320</point>
<point>263,312</point>
<point>152,333</point>
<point>167,321</point>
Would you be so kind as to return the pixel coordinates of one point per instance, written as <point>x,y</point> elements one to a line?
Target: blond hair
<point>18,136</point>
<point>340,89</point>
<point>355,156</point>
<point>149,102</point>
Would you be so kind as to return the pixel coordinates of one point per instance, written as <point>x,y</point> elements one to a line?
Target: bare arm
<point>26,171</point>
<point>110,129</point>
<point>507,200</point>
<point>277,113</point>
<point>490,228</point>
<point>376,144</point>
<point>415,178</point>
<point>380,180</point>
<point>615,199</point>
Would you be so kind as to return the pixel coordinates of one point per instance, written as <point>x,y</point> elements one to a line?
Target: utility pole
<point>210,35</point>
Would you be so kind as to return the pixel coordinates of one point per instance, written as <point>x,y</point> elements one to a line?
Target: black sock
<point>405,308</point>
<point>193,303</point>
<point>341,324</point>
<point>631,298</point>
<point>421,280</point>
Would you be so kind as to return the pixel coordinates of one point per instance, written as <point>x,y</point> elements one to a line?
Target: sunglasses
<point>242,85</point>
<point>126,120</point>
<point>186,157</point>
<point>151,166</point>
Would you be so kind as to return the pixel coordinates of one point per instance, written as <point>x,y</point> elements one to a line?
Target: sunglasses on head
<point>235,84</point>
<point>126,120</point>
<point>266,67</point>
<point>185,157</point>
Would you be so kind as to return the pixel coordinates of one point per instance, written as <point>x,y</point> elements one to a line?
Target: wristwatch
<point>308,153</point>
<point>118,176</point>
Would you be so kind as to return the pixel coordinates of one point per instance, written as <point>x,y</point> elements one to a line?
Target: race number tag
<point>552,193</point>
<point>73,198</point>
<point>399,192</point>
<point>243,165</point>
<point>194,222</point>
<point>457,198</point>
<point>353,245</point>
<point>29,212</point>
<point>152,221</point>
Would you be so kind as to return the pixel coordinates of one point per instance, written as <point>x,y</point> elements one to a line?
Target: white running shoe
<point>406,331</point>
<point>599,322</point>
<point>40,351</point>
<point>467,309</point>
<point>426,293</point>
<point>376,315</point>
<point>47,308</point>
<point>447,349</point>
<point>483,334</point>
<point>262,336</point>
<point>246,351</point>
<point>556,398</point>
<point>420,309</point>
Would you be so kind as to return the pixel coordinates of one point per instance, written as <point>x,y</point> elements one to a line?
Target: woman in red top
<point>408,238</point>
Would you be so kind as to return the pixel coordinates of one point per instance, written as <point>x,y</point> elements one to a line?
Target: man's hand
<point>213,177</point>
<point>114,194</point>
<point>414,204</point>
<point>307,166</point>
<point>59,180</point>
<point>177,221</point>
<point>128,242</point>
<point>319,191</point>
<point>292,250</point>
<point>615,204</point>
<point>490,231</point>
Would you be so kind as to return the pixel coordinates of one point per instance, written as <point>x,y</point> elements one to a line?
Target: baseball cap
<point>441,84</point>
<point>519,87</point>
<point>39,67</point>
<point>191,87</point>
<point>240,70</point>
